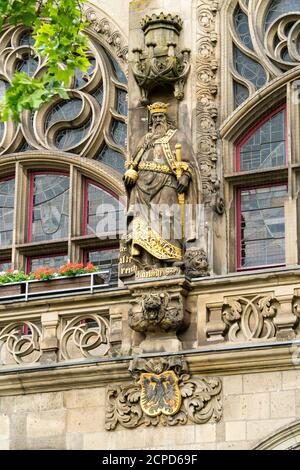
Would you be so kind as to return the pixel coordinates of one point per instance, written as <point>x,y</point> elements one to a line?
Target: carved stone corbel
<point>159,313</point>
<point>195,263</point>
<point>163,393</point>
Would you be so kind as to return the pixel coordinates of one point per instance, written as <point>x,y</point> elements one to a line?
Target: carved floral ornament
<point>207,102</point>
<point>254,318</point>
<point>86,335</point>
<point>163,393</point>
<point>20,342</point>
<point>92,119</point>
<point>250,318</point>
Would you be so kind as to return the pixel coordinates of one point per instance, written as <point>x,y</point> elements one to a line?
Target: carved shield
<point>160,394</point>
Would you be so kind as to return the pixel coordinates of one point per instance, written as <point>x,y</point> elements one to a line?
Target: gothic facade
<point>174,342</point>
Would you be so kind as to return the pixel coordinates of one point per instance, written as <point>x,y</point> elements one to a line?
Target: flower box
<point>11,290</point>
<point>83,281</point>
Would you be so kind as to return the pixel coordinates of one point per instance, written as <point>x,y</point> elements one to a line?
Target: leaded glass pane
<point>266,147</point>
<point>242,27</point>
<point>280,7</point>
<point>117,69</point>
<point>98,94</point>
<point>106,259</point>
<point>111,158</point>
<point>2,127</point>
<point>262,229</point>
<point>3,87</point>
<point>7,193</point>
<point>25,147</point>
<point>103,212</point>
<point>241,93</point>
<point>67,138</point>
<point>53,262</point>
<point>249,69</point>
<point>50,214</point>
<point>26,39</point>
<point>119,132</point>
<point>122,105</point>
<point>5,265</point>
<point>63,111</point>
<point>27,64</point>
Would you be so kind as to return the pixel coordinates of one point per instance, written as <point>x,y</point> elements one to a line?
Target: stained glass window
<point>242,27</point>
<point>241,93</point>
<point>280,7</point>
<point>119,132</point>
<point>106,259</point>
<point>5,265</point>
<point>112,158</point>
<point>25,147</point>
<point>103,212</point>
<point>122,105</point>
<point>2,127</point>
<point>266,147</point>
<point>98,94</point>
<point>27,64</point>
<point>67,138</point>
<point>7,193</point>
<point>117,69</point>
<point>63,111</point>
<point>249,68</point>
<point>53,262</point>
<point>49,218</point>
<point>262,226</point>
<point>26,39</point>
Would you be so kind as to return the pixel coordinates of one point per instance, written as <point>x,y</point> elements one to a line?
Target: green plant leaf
<point>59,38</point>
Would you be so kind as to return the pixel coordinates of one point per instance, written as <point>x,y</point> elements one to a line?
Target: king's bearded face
<point>159,123</point>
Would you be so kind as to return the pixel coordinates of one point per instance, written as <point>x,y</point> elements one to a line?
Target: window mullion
<point>20,214</point>
<point>76,213</point>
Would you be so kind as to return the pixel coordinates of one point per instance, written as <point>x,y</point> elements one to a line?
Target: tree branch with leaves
<point>58,32</point>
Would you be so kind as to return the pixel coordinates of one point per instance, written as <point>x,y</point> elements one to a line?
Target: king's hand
<point>130,177</point>
<point>183,184</point>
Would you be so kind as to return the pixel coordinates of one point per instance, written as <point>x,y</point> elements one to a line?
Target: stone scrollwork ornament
<point>165,394</point>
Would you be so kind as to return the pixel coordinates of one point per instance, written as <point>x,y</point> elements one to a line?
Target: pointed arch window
<point>260,208</point>
<point>265,145</point>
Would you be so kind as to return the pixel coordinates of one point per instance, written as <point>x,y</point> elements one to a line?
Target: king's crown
<point>158,108</point>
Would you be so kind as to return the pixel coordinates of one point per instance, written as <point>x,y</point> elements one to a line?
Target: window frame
<point>88,181</point>
<point>238,250</point>
<point>252,131</point>
<point>31,175</point>
<point>7,178</point>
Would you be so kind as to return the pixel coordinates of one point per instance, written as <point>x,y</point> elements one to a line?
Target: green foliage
<point>59,38</point>
<point>12,276</point>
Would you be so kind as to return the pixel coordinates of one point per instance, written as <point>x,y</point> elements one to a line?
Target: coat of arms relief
<point>163,393</point>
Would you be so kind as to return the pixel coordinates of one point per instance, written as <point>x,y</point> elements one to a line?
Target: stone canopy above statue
<point>160,63</point>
